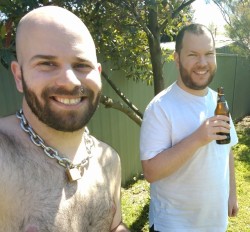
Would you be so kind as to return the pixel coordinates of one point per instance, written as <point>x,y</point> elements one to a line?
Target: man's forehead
<point>56,43</point>
<point>193,40</point>
<point>52,26</point>
<point>50,13</point>
<point>82,58</point>
<point>192,34</point>
<point>47,22</point>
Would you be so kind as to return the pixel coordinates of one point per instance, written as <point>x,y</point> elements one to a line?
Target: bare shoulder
<point>8,124</point>
<point>106,151</point>
<point>9,157</point>
<point>7,131</point>
<point>11,138</point>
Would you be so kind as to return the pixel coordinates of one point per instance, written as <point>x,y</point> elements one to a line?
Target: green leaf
<point>3,31</point>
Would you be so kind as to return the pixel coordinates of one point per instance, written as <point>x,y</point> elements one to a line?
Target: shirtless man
<point>55,177</point>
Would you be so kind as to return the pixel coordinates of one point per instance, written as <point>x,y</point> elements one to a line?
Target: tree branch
<point>175,13</point>
<point>132,9</point>
<point>109,103</point>
<point>122,96</point>
<point>224,13</point>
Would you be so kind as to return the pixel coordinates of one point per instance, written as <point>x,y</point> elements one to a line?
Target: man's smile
<point>68,101</point>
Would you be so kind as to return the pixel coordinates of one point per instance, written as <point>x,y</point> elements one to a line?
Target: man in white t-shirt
<point>192,180</point>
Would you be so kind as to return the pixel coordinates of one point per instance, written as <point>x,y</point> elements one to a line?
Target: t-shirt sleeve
<point>155,132</point>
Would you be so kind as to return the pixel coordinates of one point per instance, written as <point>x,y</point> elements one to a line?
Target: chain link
<point>51,152</point>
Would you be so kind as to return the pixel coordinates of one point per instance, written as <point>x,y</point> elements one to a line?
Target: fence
<point>118,130</point>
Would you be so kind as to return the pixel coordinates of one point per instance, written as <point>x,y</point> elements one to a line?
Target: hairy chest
<point>38,198</point>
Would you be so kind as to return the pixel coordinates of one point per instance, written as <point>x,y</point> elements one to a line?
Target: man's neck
<point>200,93</point>
<point>68,144</point>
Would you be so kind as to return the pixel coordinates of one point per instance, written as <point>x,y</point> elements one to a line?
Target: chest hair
<point>36,192</point>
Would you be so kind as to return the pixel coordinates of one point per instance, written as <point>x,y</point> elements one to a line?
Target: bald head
<point>51,20</point>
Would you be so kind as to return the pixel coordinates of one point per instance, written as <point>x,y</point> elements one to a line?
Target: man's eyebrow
<point>80,59</point>
<point>43,57</point>
<point>193,51</point>
<point>53,58</point>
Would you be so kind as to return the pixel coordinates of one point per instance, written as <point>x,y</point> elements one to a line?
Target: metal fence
<point>116,129</point>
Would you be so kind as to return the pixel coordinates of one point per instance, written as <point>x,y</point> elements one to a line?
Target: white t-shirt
<point>195,197</point>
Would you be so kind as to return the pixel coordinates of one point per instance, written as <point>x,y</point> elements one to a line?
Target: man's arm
<point>117,224</point>
<point>232,201</point>
<point>120,228</point>
<point>170,160</point>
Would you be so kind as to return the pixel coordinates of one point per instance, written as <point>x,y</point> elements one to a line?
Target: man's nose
<point>203,60</point>
<point>68,78</point>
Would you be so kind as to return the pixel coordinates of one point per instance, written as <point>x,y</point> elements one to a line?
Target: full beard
<point>188,81</point>
<point>61,121</point>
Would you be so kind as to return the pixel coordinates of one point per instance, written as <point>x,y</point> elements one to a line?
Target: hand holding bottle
<point>222,109</point>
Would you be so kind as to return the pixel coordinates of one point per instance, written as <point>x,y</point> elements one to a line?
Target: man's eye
<point>210,54</point>
<point>47,63</point>
<point>82,65</point>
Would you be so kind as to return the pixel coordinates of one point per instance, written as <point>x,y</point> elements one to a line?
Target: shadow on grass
<point>247,178</point>
<point>141,221</point>
<point>244,139</point>
<point>244,155</point>
<point>129,183</point>
<point>137,187</point>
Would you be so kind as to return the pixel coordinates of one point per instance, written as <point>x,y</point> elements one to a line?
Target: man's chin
<point>65,123</point>
<point>199,86</point>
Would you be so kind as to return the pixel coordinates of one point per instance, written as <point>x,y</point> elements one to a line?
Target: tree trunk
<point>156,60</point>
<point>155,48</point>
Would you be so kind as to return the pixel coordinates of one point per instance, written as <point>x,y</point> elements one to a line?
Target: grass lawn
<point>135,196</point>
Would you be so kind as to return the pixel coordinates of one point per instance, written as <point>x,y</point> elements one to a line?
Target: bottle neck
<point>221,98</point>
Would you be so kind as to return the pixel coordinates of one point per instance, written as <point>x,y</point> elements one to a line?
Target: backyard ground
<point>135,196</point>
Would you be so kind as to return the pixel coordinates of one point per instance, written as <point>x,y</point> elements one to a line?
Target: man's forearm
<point>121,228</point>
<point>232,201</point>
<point>232,173</point>
<point>170,160</point>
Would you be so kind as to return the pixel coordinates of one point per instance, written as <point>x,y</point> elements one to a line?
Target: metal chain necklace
<point>72,170</point>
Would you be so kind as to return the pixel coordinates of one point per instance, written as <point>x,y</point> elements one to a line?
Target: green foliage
<point>135,197</point>
<point>120,28</point>
<point>10,13</point>
<point>120,41</point>
<point>237,16</point>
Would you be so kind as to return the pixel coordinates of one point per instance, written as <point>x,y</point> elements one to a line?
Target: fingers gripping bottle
<point>222,109</point>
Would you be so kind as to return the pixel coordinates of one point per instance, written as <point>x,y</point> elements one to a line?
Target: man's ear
<point>16,71</point>
<point>99,68</point>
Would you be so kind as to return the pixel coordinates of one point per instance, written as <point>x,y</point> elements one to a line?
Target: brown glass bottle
<point>222,109</point>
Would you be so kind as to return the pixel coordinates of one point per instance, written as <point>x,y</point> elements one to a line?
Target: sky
<point>207,14</point>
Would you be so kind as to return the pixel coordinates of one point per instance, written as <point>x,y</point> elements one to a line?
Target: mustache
<point>79,91</point>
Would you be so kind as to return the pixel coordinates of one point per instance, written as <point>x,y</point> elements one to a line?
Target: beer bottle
<point>222,109</point>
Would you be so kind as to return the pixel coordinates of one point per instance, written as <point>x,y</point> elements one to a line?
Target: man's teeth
<point>201,72</point>
<point>69,101</point>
